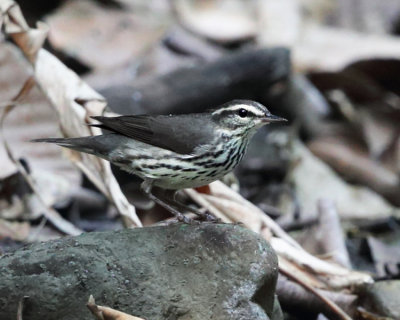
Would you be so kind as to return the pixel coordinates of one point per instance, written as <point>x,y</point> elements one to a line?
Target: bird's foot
<point>238,223</point>
<point>186,220</point>
<point>208,217</point>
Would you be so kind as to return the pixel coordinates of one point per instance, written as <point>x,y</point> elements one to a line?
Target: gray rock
<point>209,271</point>
<point>383,298</point>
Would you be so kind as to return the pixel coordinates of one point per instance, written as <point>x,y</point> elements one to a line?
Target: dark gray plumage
<point>167,132</point>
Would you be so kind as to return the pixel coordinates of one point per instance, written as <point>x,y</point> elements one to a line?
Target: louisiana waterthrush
<point>174,152</point>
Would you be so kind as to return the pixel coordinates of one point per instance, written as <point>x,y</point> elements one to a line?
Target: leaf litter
<point>358,143</point>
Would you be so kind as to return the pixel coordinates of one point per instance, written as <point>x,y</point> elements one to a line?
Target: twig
<point>219,188</point>
<point>94,309</point>
<point>21,308</point>
<point>198,198</point>
<point>105,313</point>
<point>329,303</point>
<point>293,296</point>
<point>321,273</point>
<point>333,275</point>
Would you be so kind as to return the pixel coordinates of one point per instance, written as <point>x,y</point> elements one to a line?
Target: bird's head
<point>243,116</point>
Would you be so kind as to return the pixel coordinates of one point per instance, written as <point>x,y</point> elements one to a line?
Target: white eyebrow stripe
<point>247,107</point>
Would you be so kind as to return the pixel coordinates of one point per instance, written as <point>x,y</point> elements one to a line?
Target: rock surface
<point>383,297</point>
<point>208,271</point>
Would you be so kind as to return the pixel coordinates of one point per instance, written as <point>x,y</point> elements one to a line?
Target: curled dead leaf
<point>70,97</point>
<point>48,211</point>
<point>231,206</point>
<point>221,21</point>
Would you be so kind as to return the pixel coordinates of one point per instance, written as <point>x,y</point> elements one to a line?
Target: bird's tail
<point>98,145</point>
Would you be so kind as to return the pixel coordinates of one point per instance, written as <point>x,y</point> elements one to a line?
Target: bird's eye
<point>242,113</point>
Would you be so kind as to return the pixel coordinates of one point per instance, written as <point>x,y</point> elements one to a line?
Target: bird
<point>174,152</point>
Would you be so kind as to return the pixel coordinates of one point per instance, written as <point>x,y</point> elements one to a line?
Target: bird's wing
<point>178,133</point>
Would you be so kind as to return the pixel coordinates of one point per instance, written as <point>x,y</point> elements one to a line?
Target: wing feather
<point>178,133</point>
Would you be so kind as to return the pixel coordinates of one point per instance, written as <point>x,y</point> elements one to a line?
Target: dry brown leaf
<point>316,47</point>
<point>222,21</point>
<point>352,161</point>
<point>391,158</point>
<point>74,101</point>
<point>102,37</point>
<point>237,212</point>
<point>56,177</point>
<point>313,179</point>
<point>280,22</point>
<point>29,40</point>
<point>332,275</point>
<point>298,271</point>
<point>332,49</point>
<point>221,190</point>
<point>199,199</point>
<point>17,231</point>
<point>48,211</point>
<point>379,131</point>
<point>106,313</point>
<point>312,270</point>
<point>340,314</point>
<point>328,234</point>
<point>306,269</point>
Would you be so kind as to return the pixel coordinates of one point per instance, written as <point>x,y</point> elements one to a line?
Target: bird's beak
<point>272,118</point>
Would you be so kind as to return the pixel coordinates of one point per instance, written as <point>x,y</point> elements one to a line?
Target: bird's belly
<point>196,177</point>
<point>178,172</point>
<point>184,181</point>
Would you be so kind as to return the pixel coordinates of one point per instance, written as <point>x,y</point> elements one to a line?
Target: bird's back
<point>179,133</point>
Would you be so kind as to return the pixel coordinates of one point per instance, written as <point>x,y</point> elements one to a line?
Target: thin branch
<point>199,199</point>
<point>21,308</point>
<point>329,303</point>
